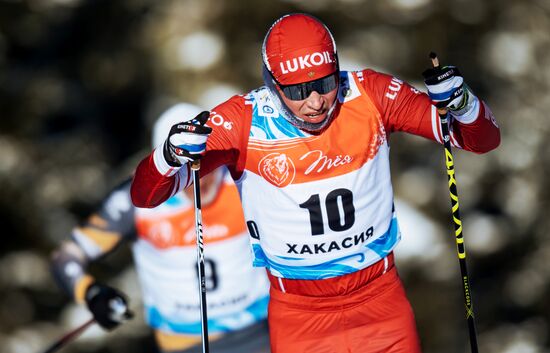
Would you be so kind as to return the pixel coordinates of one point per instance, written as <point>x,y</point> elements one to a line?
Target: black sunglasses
<point>301,91</point>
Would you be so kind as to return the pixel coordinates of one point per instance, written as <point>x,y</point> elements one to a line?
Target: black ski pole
<point>68,337</point>
<point>460,246</point>
<point>195,167</point>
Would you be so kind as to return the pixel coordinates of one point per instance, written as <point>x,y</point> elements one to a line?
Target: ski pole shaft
<point>460,246</point>
<point>68,337</point>
<point>195,167</point>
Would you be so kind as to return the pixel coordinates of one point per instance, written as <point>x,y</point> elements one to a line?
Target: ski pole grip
<point>196,164</point>
<point>435,60</point>
<point>435,64</point>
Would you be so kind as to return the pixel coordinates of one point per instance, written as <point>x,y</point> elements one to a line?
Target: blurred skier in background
<point>164,249</point>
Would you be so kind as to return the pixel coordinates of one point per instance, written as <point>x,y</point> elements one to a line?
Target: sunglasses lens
<point>302,90</point>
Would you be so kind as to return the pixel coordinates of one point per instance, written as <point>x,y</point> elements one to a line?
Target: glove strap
<point>468,110</point>
<point>169,155</point>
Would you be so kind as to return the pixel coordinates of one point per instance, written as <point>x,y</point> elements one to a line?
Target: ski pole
<point>68,337</point>
<point>119,309</point>
<point>453,191</point>
<point>195,167</point>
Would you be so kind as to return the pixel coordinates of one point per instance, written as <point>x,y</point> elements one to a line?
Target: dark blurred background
<point>82,81</point>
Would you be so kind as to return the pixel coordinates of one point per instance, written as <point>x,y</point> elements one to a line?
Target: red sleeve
<point>149,187</point>
<point>483,135</point>
<point>230,122</point>
<point>404,108</point>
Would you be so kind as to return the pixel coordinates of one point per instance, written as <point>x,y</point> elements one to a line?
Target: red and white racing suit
<point>319,207</point>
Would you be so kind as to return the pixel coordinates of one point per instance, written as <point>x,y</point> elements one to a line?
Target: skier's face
<point>313,109</point>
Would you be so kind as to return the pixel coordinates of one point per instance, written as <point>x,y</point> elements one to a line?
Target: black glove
<point>186,141</point>
<point>446,87</point>
<point>108,305</point>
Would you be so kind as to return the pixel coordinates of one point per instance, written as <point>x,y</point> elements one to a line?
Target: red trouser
<point>362,312</point>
